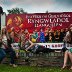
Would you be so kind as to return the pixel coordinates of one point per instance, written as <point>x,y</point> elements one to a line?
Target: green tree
<point>47,11</point>
<point>16,11</point>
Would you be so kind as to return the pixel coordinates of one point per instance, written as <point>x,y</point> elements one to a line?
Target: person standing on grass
<point>68,39</point>
<point>13,44</point>
<point>2,52</point>
<point>6,47</point>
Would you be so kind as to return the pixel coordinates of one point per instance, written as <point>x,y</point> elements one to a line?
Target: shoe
<point>63,67</point>
<point>26,50</point>
<point>11,64</point>
<point>17,56</point>
<point>14,65</point>
<point>70,68</point>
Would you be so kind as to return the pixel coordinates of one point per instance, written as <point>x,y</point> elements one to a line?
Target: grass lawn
<point>7,68</point>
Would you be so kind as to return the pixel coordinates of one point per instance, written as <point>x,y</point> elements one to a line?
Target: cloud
<point>64,2</point>
<point>38,5</point>
<point>15,3</point>
<point>31,4</point>
<point>38,2</point>
<point>27,2</point>
<point>6,2</point>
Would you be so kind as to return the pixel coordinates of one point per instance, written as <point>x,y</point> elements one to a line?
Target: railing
<point>42,59</point>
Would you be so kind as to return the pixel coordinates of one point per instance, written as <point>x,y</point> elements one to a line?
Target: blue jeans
<point>12,54</point>
<point>2,54</point>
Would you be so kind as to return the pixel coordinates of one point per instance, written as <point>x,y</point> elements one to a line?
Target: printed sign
<point>37,21</point>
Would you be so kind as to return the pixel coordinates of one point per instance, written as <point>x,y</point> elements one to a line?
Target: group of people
<point>6,40</point>
<point>47,35</point>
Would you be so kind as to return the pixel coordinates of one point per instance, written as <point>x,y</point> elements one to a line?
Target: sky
<point>38,6</point>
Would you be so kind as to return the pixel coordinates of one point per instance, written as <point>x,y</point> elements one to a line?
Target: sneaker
<point>64,67</point>
<point>26,50</point>
<point>71,68</point>
<point>11,64</point>
<point>14,65</point>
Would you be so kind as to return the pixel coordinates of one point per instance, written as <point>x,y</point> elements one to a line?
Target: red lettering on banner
<point>48,45</point>
<point>58,45</point>
<point>52,45</point>
<point>61,45</point>
<point>55,45</point>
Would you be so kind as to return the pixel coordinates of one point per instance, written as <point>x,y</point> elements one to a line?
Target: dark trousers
<point>2,54</point>
<point>12,54</point>
<point>39,49</point>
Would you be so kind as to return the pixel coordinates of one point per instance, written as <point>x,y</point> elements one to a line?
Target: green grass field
<point>7,68</point>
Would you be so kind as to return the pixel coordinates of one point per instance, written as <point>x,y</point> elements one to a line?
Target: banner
<point>37,21</point>
<point>55,45</point>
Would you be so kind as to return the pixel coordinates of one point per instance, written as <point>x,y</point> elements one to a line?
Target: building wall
<point>3,20</point>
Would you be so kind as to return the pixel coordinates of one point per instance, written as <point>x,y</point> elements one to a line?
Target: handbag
<point>33,40</point>
<point>70,50</point>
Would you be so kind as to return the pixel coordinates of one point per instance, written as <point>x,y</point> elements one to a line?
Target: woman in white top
<point>68,39</point>
<point>6,47</point>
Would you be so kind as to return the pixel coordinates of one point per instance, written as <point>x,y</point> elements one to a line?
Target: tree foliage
<point>16,11</point>
<point>47,11</point>
<point>1,10</point>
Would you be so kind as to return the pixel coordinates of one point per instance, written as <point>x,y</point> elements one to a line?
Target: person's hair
<point>4,32</point>
<point>68,37</point>
<point>70,32</point>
